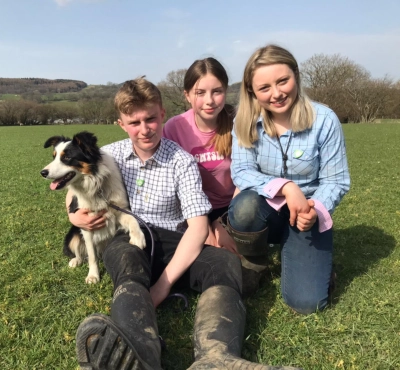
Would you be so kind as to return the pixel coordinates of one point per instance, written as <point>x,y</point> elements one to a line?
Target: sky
<point>102,41</point>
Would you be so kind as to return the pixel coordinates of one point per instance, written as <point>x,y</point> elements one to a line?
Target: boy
<point>164,189</point>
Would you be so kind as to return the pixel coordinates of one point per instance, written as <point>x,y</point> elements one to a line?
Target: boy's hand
<point>86,220</point>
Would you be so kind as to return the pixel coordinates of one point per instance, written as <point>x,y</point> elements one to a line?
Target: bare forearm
<point>189,248</point>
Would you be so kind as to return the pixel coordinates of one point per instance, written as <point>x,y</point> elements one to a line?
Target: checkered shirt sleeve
<point>165,190</point>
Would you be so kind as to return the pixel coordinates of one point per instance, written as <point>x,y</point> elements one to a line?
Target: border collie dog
<point>95,181</point>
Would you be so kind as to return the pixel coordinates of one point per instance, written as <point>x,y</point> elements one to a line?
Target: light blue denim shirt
<point>317,160</point>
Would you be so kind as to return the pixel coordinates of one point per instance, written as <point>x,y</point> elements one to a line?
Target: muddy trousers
<point>129,267</point>
<point>219,330</point>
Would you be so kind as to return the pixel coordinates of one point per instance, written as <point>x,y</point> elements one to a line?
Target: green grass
<point>42,301</point>
<point>9,97</point>
<point>387,120</point>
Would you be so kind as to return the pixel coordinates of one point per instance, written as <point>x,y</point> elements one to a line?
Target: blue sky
<point>100,41</point>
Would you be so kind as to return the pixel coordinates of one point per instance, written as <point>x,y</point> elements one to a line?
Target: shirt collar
<point>287,133</point>
<point>158,156</point>
<point>127,150</point>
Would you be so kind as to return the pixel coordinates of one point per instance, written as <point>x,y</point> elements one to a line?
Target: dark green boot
<point>253,246</point>
<point>218,332</point>
<point>253,269</point>
<point>126,341</point>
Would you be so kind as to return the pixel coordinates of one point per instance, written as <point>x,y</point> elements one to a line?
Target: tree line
<point>40,85</point>
<point>334,80</point>
<point>349,89</point>
<point>93,104</point>
<point>345,86</point>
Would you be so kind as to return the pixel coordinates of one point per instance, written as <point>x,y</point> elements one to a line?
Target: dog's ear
<point>87,142</point>
<point>85,138</point>
<point>54,140</point>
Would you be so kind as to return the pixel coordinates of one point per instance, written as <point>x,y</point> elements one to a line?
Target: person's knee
<point>244,209</point>
<point>306,305</point>
<point>225,269</point>
<point>125,261</point>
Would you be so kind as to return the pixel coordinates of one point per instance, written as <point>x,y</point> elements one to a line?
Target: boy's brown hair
<point>137,93</point>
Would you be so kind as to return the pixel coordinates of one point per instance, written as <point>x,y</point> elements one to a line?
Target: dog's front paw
<point>75,262</point>
<point>138,239</point>
<point>91,279</point>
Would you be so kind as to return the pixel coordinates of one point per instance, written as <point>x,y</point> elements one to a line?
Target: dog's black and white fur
<point>95,180</point>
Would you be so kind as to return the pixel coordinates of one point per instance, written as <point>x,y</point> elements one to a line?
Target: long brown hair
<point>222,139</point>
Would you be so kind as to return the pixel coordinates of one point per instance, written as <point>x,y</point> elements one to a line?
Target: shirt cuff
<point>324,217</point>
<point>277,203</point>
<point>274,186</point>
<point>271,189</point>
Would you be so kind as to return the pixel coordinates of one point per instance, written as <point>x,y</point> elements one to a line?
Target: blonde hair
<point>137,93</point>
<point>222,139</point>
<point>302,113</point>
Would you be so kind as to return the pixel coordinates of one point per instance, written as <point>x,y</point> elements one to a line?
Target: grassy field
<point>9,97</point>
<point>42,301</point>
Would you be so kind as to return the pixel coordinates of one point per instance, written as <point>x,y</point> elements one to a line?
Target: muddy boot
<point>253,269</point>
<point>218,332</point>
<point>126,341</point>
<point>253,246</point>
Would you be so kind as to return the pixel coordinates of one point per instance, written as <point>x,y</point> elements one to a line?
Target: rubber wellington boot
<point>126,341</point>
<point>253,269</point>
<point>253,246</point>
<point>218,332</point>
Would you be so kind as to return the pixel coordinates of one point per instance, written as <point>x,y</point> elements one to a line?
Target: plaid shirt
<point>166,189</point>
<point>317,160</point>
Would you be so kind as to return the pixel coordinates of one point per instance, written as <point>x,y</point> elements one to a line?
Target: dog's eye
<point>66,158</point>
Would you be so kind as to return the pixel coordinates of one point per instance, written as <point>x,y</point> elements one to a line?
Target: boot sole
<point>101,345</point>
<point>233,363</point>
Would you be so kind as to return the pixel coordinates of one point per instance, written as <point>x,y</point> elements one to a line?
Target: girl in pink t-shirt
<point>205,132</point>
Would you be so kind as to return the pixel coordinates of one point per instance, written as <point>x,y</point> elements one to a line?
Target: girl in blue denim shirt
<point>289,162</point>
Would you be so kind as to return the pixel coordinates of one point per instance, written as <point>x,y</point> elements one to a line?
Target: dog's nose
<point>44,173</point>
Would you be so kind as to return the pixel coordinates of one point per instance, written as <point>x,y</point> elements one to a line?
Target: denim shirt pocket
<point>306,164</point>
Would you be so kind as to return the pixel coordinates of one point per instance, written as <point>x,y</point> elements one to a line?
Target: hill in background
<point>31,101</point>
<point>39,85</point>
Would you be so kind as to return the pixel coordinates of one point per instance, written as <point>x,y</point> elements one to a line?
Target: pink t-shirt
<point>214,169</point>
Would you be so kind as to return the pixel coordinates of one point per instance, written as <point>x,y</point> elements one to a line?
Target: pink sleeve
<point>277,202</point>
<point>324,217</point>
<point>271,189</point>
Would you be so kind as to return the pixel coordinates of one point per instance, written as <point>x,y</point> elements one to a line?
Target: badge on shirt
<point>139,182</point>
<point>297,153</point>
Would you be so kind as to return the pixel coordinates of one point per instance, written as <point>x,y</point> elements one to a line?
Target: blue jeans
<point>306,257</point>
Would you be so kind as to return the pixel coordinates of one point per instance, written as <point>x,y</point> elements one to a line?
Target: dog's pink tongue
<point>54,184</point>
